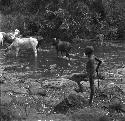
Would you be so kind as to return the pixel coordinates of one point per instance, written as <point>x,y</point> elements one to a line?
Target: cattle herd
<point>17,42</point>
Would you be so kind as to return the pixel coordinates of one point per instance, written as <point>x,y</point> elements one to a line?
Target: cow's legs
<point>67,55</point>
<point>17,51</point>
<point>2,42</point>
<point>35,52</point>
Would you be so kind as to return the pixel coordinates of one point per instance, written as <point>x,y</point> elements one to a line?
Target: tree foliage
<point>85,18</point>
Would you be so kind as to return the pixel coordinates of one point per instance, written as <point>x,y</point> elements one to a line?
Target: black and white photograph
<point>62,60</point>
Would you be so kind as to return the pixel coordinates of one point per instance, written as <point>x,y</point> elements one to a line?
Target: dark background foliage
<point>65,18</point>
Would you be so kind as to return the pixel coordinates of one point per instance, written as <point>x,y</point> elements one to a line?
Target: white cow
<point>2,37</point>
<point>16,33</point>
<point>24,43</point>
<point>101,38</point>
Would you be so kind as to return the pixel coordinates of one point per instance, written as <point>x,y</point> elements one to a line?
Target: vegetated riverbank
<point>46,94</point>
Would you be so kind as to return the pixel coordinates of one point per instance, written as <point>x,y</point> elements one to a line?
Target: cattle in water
<point>9,37</point>
<point>23,43</point>
<point>62,46</point>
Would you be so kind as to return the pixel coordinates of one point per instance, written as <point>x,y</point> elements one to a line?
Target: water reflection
<point>48,65</point>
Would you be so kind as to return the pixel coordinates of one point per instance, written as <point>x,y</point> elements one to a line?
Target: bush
<point>83,18</point>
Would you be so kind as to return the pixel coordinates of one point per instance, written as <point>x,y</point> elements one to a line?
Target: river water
<point>47,65</point>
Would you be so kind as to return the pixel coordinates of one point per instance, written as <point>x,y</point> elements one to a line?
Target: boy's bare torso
<point>90,66</point>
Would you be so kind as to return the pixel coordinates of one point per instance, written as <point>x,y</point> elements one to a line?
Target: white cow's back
<point>25,42</point>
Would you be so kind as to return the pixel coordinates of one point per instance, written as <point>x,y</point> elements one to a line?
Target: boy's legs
<point>91,79</point>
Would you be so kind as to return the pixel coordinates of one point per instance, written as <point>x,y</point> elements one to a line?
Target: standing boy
<point>91,69</point>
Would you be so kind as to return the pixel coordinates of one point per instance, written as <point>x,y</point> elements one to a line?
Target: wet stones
<point>71,100</point>
<point>77,99</point>
<point>88,114</point>
<point>60,83</point>
<point>5,99</point>
<point>34,88</point>
<point>5,113</point>
<point>78,77</point>
<point>66,97</point>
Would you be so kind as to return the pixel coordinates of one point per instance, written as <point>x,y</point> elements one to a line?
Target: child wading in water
<point>91,69</point>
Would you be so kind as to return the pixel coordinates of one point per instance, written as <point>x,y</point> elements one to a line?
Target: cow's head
<point>55,41</point>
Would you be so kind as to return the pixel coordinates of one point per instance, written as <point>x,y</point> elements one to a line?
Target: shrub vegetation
<point>85,18</point>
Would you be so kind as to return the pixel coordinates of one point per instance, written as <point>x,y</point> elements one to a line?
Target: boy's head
<point>89,50</point>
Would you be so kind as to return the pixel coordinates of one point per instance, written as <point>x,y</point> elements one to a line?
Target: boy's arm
<point>98,63</point>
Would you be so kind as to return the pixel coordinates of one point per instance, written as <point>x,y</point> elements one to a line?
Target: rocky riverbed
<point>42,91</point>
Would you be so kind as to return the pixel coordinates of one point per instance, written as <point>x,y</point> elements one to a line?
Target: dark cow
<point>23,43</point>
<point>62,46</point>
